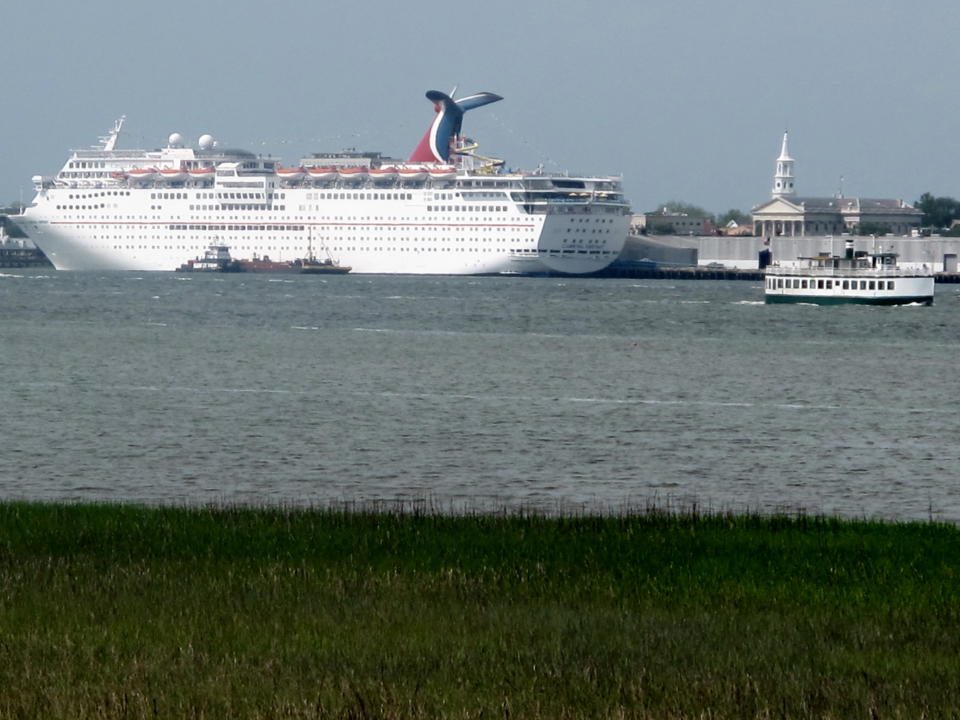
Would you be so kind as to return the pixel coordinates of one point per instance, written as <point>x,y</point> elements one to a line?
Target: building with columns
<point>787,214</point>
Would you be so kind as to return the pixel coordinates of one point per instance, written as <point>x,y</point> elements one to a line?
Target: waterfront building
<point>668,222</point>
<point>787,214</point>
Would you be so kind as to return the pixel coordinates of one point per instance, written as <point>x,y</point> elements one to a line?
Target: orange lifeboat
<point>321,173</point>
<point>444,172</point>
<point>383,174</point>
<point>173,174</point>
<point>201,173</point>
<point>352,174</point>
<point>141,174</point>
<point>412,174</point>
<point>290,174</point>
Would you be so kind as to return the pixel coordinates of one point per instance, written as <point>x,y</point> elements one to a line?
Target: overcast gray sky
<point>687,99</point>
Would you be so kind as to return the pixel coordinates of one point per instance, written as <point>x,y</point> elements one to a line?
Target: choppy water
<point>478,392</point>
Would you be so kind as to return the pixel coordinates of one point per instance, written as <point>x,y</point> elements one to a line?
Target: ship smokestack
<point>849,250</point>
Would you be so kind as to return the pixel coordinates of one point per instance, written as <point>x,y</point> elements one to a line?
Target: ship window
<point>829,284</point>
<point>846,284</point>
<point>890,285</point>
<point>872,285</point>
<point>803,284</point>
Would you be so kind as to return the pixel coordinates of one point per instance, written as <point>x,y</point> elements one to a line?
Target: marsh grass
<point>124,611</point>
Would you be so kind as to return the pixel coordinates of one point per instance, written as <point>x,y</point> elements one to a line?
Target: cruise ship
<point>445,210</point>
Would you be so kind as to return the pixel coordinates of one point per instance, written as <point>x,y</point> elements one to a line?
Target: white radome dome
<point>205,142</point>
<point>175,140</point>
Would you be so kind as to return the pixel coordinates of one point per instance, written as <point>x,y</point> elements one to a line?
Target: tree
<point>681,208</point>
<point>735,215</point>
<point>869,228</point>
<point>938,212</point>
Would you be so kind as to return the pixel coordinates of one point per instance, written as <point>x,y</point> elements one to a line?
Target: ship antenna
<point>109,141</point>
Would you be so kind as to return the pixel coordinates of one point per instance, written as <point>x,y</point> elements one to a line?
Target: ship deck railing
<point>829,272</point>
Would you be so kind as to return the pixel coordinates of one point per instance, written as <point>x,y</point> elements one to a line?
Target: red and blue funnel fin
<point>435,144</point>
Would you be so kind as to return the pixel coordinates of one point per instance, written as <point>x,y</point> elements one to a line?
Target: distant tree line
<point>938,216</point>
<point>939,213</point>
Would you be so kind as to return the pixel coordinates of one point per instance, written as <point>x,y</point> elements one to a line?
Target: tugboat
<point>311,265</point>
<point>216,258</point>
<point>858,277</point>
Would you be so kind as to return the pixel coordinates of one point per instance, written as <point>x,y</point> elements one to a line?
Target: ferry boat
<point>445,210</point>
<point>857,277</point>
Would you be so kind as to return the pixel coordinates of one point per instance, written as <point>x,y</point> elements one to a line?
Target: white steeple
<point>783,179</point>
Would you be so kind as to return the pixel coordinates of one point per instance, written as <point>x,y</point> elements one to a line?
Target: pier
<point>669,272</point>
<point>14,256</point>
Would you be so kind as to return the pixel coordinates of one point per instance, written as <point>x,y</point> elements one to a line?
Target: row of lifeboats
<point>296,174</point>
<point>357,174</point>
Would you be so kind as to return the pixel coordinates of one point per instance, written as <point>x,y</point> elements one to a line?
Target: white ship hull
<point>371,236</point>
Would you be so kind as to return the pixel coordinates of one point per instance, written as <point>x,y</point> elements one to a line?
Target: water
<point>553,394</point>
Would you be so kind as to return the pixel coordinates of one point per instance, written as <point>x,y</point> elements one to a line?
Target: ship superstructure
<point>445,210</point>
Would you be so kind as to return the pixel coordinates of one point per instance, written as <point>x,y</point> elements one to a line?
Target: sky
<point>686,99</point>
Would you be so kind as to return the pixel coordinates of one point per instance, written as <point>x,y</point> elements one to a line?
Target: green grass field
<point>128,612</point>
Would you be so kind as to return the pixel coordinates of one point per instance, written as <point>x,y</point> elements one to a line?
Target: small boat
<point>173,174</point>
<point>216,258</point>
<point>322,173</point>
<point>202,173</point>
<point>443,173</point>
<point>383,174</point>
<point>352,174</point>
<point>412,174</point>
<point>858,277</point>
<point>290,174</point>
<point>142,173</point>
<point>313,266</point>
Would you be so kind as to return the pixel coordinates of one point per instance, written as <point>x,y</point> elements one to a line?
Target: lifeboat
<point>173,174</point>
<point>383,173</point>
<point>119,175</point>
<point>201,173</point>
<point>321,173</point>
<point>290,174</point>
<point>445,172</point>
<point>353,174</point>
<point>412,174</point>
<point>142,173</point>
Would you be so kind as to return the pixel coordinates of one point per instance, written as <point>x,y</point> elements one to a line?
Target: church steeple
<point>783,179</point>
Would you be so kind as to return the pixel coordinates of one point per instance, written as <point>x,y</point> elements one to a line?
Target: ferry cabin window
<point>872,285</point>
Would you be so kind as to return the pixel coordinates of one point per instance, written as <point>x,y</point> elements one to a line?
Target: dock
<point>14,256</point>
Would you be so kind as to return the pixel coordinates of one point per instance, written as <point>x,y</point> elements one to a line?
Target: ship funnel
<point>849,250</point>
<point>435,144</point>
